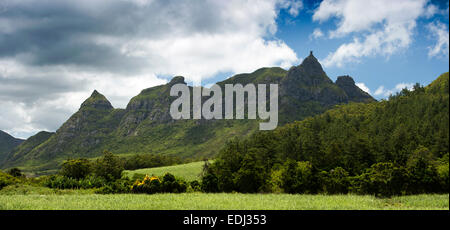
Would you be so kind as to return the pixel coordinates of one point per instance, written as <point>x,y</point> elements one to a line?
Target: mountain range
<point>146,127</point>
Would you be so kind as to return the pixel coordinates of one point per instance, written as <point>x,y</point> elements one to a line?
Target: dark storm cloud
<point>28,89</point>
<point>64,32</point>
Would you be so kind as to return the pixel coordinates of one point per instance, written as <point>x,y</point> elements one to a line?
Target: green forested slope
<point>409,133</point>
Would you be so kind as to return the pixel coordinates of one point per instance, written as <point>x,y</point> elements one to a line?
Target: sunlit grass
<point>201,201</point>
<point>189,172</point>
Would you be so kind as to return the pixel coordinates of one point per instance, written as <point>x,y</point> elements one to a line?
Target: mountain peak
<point>311,63</point>
<point>177,80</point>
<point>353,92</point>
<point>98,101</point>
<point>345,80</point>
<point>95,93</point>
<point>309,72</point>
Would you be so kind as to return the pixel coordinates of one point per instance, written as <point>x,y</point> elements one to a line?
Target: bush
<point>336,181</point>
<point>6,179</point>
<point>195,186</point>
<point>423,173</point>
<point>15,172</point>
<point>210,183</point>
<point>382,179</point>
<point>250,177</point>
<point>172,185</point>
<point>298,177</point>
<point>62,182</point>
<point>148,185</point>
<point>443,173</point>
<point>77,169</point>
<point>168,184</point>
<point>108,167</point>
<point>118,186</point>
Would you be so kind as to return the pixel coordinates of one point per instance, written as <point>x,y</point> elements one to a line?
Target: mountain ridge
<point>145,125</point>
<point>7,144</point>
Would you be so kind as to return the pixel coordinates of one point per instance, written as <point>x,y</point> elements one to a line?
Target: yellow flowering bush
<point>147,185</point>
<point>154,184</point>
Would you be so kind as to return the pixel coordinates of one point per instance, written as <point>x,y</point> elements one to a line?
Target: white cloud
<point>317,33</point>
<point>363,87</point>
<point>401,86</point>
<point>383,92</point>
<point>293,6</point>
<point>440,32</point>
<point>380,27</point>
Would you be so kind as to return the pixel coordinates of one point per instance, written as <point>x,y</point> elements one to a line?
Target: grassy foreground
<point>201,201</point>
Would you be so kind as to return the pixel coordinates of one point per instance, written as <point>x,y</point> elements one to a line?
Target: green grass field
<point>201,201</point>
<point>42,198</point>
<point>189,171</point>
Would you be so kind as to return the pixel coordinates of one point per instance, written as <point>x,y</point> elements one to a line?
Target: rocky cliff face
<point>354,93</point>
<point>308,81</point>
<point>152,105</point>
<point>145,126</point>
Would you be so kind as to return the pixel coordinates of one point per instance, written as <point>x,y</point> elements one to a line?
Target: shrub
<point>250,177</point>
<point>153,184</point>
<point>276,181</point>
<point>172,185</point>
<point>298,177</point>
<point>336,181</point>
<point>148,185</point>
<point>61,182</point>
<point>443,173</point>
<point>6,179</point>
<point>195,186</point>
<point>114,187</point>
<point>77,169</point>
<point>421,166</point>
<point>382,179</point>
<point>210,183</point>
<point>15,172</point>
<point>108,167</point>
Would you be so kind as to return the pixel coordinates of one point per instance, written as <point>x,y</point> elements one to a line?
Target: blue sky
<point>54,53</point>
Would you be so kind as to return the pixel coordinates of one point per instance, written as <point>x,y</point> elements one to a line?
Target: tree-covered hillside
<point>369,148</point>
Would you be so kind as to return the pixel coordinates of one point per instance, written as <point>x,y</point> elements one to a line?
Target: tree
<point>108,166</point>
<point>15,172</point>
<point>77,169</point>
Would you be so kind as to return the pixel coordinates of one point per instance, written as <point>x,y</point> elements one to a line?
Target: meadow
<point>220,201</point>
<point>189,171</point>
<point>32,197</point>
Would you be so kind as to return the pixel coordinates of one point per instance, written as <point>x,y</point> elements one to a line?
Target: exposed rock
<point>97,101</point>
<point>353,92</point>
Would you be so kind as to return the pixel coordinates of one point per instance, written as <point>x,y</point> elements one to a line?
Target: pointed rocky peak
<point>312,66</point>
<point>177,80</point>
<point>345,80</point>
<point>353,92</point>
<point>98,101</point>
<point>310,72</point>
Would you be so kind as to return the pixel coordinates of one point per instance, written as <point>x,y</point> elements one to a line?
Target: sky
<point>54,53</point>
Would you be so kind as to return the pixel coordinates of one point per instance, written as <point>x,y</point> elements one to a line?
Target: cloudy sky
<point>54,53</point>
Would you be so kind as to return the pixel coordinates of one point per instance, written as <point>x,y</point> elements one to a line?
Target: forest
<point>397,146</point>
